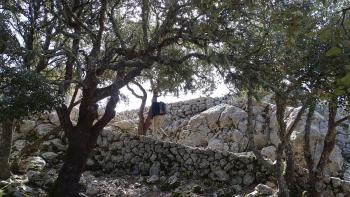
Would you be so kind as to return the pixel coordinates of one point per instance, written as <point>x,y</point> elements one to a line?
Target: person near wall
<point>158,110</point>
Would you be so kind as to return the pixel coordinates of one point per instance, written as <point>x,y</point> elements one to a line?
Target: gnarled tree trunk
<point>281,181</point>
<point>5,148</point>
<point>329,143</point>
<point>143,124</point>
<point>81,140</point>
<point>80,145</point>
<point>307,150</point>
<point>290,170</point>
<point>250,129</point>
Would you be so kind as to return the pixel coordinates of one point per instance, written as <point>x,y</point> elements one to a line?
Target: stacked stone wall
<point>143,155</point>
<point>139,155</point>
<point>181,109</point>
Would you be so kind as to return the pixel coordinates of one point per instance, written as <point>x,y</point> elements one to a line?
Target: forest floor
<point>100,184</point>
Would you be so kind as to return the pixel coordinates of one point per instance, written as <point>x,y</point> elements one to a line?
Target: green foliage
<point>25,93</point>
<point>334,51</point>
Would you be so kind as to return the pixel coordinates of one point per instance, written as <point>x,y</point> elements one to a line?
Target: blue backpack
<point>158,108</point>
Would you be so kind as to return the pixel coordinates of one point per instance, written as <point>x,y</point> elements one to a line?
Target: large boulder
<point>212,116</point>
<point>232,116</point>
<point>317,135</point>
<point>222,127</point>
<point>205,129</point>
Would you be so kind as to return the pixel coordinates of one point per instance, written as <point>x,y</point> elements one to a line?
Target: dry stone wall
<point>189,122</point>
<point>147,156</point>
<point>177,117</point>
<point>143,155</point>
<point>181,109</point>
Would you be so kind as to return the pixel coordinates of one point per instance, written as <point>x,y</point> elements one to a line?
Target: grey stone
<point>237,188</point>
<point>264,189</point>
<point>221,175</point>
<point>153,179</point>
<point>336,182</point>
<point>237,180</point>
<point>58,144</point>
<point>248,179</point>
<point>155,169</point>
<point>90,162</point>
<point>19,144</point>
<point>346,187</point>
<point>27,125</point>
<point>49,155</point>
<point>43,129</point>
<point>173,180</point>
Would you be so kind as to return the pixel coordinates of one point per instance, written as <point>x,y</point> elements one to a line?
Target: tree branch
<point>342,120</point>
<point>109,113</point>
<point>63,115</point>
<point>78,21</point>
<point>133,92</point>
<point>71,104</point>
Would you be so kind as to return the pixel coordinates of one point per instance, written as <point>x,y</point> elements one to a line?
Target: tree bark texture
<point>282,184</point>
<point>290,171</point>
<point>5,148</point>
<point>142,126</point>
<point>328,146</point>
<point>81,140</point>
<point>329,141</point>
<point>67,183</point>
<point>307,150</point>
<point>250,129</point>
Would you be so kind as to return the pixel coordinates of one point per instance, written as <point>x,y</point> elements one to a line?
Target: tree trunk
<point>290,170</point>
<point>250,129</point>
<point>141,130</point>
<point>329,143</point>
<point>5,148</point>
<point>143,124</point>
<point>307,150</point>
<point>81,140</point>
<point>67,183</point>
<point>148,121</point>
<point>282,185</point>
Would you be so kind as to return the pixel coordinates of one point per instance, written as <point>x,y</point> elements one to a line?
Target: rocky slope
<point>221,125</point>
<point>210,124</point>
